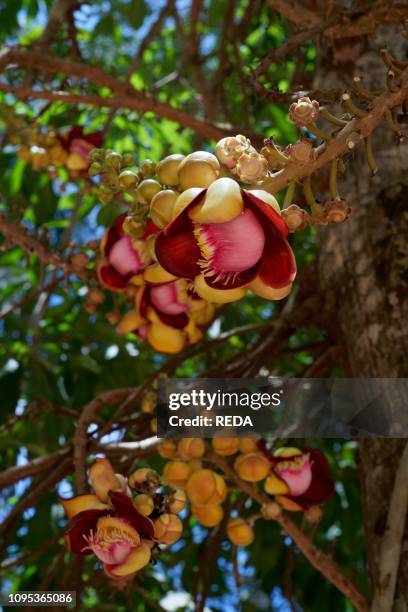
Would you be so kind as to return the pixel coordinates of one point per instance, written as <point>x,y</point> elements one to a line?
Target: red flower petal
<point>234,280</point>
<point>178,321</point>
<point>125,509</point>
<point>178,253</point>
<point>112,279</point>
<point>256,204</point>
<point>151,228</point>
<point>278,265</point>
<point>81,525</point>
<point>114,234</point>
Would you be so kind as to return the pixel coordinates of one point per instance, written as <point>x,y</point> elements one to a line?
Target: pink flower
<point>122,257</point>
<point>229,239</point>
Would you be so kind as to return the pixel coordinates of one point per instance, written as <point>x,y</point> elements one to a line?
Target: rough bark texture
<point>361,271</point>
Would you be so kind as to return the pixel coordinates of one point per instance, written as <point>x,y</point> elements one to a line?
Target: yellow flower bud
<point>142,477</point>
<point>177,501</point>
<point>167,169</point>
<point>147,190</point>
<point>239,532</point>
<point>275,486</point>
<point>206,487</point>
<point>143,504</point>
<point>225,446</point>
<point>161,207</point>
<point>271,511</point>
<point>176,474</point>
<point>208,516</point>
<point>198,169</point>
<point>252,467</point>
<point>167,449</point>
<point>191,448</point>
<point>168,528</point>
<point>248,445</point>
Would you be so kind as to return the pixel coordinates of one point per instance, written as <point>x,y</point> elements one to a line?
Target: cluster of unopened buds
<point>125,521</point>
<point>299,480</point>
<point>48,149</point>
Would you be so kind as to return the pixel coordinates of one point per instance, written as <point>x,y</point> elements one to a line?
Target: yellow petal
<point>130,322</point>
<point>136,280</point>
<point>108,525</point>
<point>194,333</point>
<point>199,169</point>
<point>161,207</point>
<point>103,478</point>
<point>165,339</point>
<point>103,242</point>
<point>138,558</point>
<point>76,162</point>
<point>217,296</point>
<point>184,200</point>
<point>80,503</point>
<point>288,504</point>
<point>151,246</point>
<point>201,311</point>
<point>275,486</point>
<point>155,273</point>
<point>287,451</point>
<point>266,197</point>
<point>223,202</point>
<point>268,293</point>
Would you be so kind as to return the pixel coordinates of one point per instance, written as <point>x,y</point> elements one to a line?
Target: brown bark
<point>361,273</point>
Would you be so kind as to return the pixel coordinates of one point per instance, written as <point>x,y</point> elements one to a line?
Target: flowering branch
<point>322,562</point>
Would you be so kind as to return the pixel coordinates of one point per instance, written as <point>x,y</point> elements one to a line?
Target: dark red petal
<point>125,509</point>
<point>322,485</point>
<point>275,219</point>
<point>81,525</point>
<point>179,321</point>
<point>319,491</point>
<point>95,138</point>
<point>233,281</point>
<point>114,233</point>
<point>278,265</point>
<point>112,279</point>
<point>151,228</point>
<point>178,253</point>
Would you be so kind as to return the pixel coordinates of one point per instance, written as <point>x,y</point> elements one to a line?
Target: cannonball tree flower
<point>168,315</point>
<point>122,257</point>
<point>228,150</point>
<point>303,111</point>
<point>107,524</point>
<point>226,240</point>
<point>78,145</point>
<point>299,478</point>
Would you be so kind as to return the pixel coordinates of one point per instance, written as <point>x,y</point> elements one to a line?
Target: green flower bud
<point>113,160</point>
<point>148,168</point>
<point>95,169</point>
<point>104,194</point>
<point>127,160</point>
<point>128,179</point>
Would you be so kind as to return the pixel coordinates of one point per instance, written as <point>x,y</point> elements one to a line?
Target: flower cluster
<point>298,480</point>
<point>165,310</point>
<point>50,150</point>
<point>124,521</point>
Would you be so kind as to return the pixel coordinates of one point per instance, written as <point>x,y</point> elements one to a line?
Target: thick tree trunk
<point>362,274</point>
